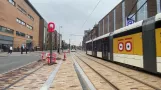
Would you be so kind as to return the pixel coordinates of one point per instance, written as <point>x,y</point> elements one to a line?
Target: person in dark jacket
<point>26,49</point>
<point>21,49</point>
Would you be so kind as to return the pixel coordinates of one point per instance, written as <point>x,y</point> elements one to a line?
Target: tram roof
<point>158,17</point>
<point>127,28</point>
<point>89,41</point>
<point>101,37</point>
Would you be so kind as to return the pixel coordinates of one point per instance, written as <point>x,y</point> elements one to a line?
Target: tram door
<point>105,48</point>
<point>94,49</point>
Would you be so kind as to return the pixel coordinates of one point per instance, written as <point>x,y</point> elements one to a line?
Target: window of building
<point>103,27</point>
<point>6,30</point>
<point>114,19</point>
<point>20,34</point>
<point>99,30</point>
<point>142,13</point>
<point>12,2</point>
<point>158,6</point>
<point>29,27</point>
<point>20,22</point>
<point>30,17</point>
<point>21,10</point>
<point>108,23</point>
<point>29,37</point>
<point>123,14</point>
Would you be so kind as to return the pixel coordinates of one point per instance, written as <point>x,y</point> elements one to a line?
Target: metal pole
<point>69,45</point>
<point>50,43</point>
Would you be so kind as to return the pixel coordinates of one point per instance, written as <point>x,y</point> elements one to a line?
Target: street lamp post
<point>59,39</point>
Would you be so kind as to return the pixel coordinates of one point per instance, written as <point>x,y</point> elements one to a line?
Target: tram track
<point>143,84</point>
<point>112,85</point>
<point>145,78</point>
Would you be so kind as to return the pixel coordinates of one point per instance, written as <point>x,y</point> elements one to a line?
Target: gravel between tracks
<point>119,80</point>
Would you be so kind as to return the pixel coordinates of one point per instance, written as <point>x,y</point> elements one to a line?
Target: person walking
<point>8,47</point>
<point>11,49</point>
<point>21,49</point>
<point>26,49</point>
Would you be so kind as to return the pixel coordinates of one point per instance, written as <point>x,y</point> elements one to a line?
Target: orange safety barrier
<point>42,56</point>
<point>53,58</point>
<point>64,56</point>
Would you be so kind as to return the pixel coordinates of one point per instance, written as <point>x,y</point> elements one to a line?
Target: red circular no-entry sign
<point>51,27</point>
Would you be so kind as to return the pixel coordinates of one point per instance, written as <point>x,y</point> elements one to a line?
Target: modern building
<point>119,16</point>
<point>56,40</point>
<point>134,9</point>
<point>43,35</point>
<point>19,24</point>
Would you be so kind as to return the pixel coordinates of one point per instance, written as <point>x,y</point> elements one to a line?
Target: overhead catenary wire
<point>91,14</point>
<point>139,9</point>
<point>133,7</point>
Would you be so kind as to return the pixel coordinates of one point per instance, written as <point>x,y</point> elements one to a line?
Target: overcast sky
<point>71,14</point>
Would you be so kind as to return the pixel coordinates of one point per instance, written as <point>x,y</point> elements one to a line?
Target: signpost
<point>51,27</point>
<point>130,19</point>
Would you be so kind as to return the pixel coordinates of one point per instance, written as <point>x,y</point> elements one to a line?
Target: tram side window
<point>90,46</point>
<point>99,47</point>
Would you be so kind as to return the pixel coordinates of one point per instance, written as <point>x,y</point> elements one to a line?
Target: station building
<point>19,24</point>
<point>117,18</point>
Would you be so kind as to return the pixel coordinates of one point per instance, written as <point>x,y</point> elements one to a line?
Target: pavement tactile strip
<point>35,80</point>
<point>66,78</point>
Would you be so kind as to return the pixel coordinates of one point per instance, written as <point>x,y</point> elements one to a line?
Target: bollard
<point>54,58</point>
<point>48,58</point>
<point>64,56</point>
<point>42,56</point>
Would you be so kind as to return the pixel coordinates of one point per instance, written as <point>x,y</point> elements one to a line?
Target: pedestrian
<point>8,47</point>
<point>18,49</point>
<point>11,49</point>
<point>26,49</point>
<point>21,49</point>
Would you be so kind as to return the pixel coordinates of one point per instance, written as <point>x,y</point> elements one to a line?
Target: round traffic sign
<point>51,27</point>
<point>120,46</point>
<point>128,46</point>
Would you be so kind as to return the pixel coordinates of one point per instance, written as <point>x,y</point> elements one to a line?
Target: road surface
<point>15,60</point>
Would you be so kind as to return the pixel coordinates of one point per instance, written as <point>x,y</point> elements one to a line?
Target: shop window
<point>12,2</point>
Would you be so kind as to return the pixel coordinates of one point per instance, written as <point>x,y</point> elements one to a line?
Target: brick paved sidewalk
<point>35,80</point>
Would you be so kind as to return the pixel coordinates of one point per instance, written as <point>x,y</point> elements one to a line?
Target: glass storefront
<point>5,42</point>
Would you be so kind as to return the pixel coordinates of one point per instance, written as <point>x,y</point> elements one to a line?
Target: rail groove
<point>122,73</point>
<point>111,84</point>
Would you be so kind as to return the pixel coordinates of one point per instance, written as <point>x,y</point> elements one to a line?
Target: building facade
<point>43,35</point>
<point>56,40</point>
<point>19,24</point>
<point>117,18</point>
<point>135,9</point>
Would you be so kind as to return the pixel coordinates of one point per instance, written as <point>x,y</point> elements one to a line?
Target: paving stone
<point>66,78</point>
